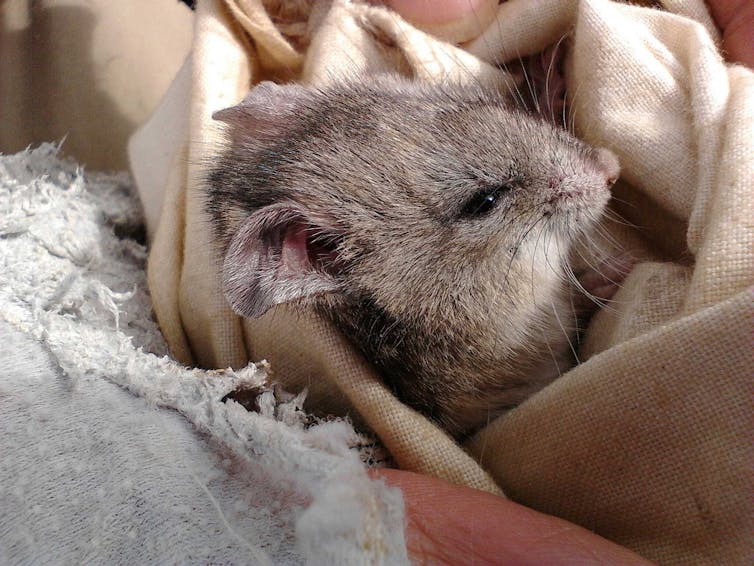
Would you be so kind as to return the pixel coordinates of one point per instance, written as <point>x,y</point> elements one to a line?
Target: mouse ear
<point>278,256</point>
<point>267,104</point>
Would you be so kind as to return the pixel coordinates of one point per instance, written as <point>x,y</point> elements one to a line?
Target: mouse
<point>430,223</point>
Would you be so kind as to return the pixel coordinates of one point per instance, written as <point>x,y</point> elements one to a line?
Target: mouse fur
<point>430,223</point>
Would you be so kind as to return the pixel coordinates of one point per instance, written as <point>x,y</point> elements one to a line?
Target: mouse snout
<point>586,184</point>
<point>606,164</point>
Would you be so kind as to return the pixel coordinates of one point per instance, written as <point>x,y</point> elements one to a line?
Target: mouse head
<point>396,188</point>
<point>430,212</point>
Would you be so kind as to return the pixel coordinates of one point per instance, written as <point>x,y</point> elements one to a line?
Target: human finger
<point>455,21</point>
<point>449,524</point>
<point>735,18</point>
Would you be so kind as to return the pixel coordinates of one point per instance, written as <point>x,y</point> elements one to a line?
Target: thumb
<point>455,21</point>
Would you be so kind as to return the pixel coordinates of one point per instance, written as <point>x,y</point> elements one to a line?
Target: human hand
<point>448,524</point>
<point>455,21</point>
<point>735,18</point>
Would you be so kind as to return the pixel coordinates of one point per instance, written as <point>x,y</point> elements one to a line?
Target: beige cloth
<point>649,441</point>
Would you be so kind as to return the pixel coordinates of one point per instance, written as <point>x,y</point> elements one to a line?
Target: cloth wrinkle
<point>134,457</point>
<point>646,442</point>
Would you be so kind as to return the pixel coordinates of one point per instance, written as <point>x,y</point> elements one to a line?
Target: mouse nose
<point>607,164</point>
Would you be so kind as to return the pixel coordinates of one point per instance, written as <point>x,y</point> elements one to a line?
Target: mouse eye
<point>484,201</point>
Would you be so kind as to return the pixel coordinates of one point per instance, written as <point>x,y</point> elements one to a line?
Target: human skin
<point>431,11</point>
<point>448,524</point>
<point>735,18</point>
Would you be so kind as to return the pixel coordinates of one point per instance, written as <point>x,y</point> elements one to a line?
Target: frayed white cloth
<point>113,453</point>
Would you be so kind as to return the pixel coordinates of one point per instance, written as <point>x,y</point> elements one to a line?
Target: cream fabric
<point>648,442</point>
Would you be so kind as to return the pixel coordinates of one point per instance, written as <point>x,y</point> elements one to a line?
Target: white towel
<point>111,452</point>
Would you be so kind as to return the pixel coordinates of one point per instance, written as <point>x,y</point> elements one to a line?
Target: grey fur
<point>464,316</point>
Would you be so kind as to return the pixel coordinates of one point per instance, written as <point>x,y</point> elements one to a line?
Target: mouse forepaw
<point>602,282</point>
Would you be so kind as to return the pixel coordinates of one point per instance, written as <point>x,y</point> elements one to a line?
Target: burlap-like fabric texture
<point>648,441</point>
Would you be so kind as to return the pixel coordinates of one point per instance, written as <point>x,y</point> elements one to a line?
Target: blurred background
<point>89,71</point>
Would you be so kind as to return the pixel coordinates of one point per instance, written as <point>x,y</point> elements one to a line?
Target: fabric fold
<point>646,442</point>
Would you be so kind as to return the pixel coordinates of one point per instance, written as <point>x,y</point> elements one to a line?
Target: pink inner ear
<point>295,255</point>
<point>276,257</point>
